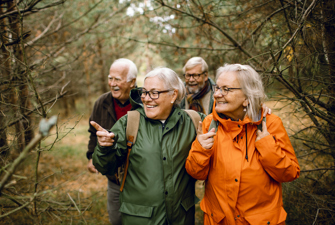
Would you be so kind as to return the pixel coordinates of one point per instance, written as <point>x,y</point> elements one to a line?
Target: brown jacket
<point>103,113</point>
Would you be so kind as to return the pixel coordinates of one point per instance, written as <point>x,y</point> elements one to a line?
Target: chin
<point>220,109</point>
<point>193,90</point>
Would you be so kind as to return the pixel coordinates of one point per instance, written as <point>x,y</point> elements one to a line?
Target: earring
<point>245,109</point>
<point>172,102</point>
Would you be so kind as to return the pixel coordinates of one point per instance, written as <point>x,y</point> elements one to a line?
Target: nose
<point>217,93</point>
<point>147,97</point>
<point>191,78</point>
<point>112,82</point>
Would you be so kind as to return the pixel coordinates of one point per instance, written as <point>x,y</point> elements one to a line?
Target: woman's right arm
<point>198,160</point>
<point>111,150</point>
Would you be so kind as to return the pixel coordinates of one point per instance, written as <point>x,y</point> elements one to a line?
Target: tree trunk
<point>4,71</point>
<point>24,129</point>
<point>328,12</point>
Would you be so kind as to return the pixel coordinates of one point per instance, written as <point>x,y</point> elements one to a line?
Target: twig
<point>45,127</point>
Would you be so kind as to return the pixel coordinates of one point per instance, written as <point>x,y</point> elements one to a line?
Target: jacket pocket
<point>273,217</point>
<point>216,215</point>
<point>190,201</point>
<point>136,210</point>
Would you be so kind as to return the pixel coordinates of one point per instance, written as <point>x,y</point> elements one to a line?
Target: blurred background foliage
<point>55,57</point>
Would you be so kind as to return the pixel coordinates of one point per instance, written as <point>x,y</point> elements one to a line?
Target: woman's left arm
<point>276,152</point>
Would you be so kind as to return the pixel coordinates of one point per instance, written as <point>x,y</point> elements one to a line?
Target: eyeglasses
<point>224,90</point>
<point>195,76</point>
<point>152,94</point>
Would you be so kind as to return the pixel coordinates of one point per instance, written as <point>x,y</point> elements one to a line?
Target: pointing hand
<point>206,140</point>
<point>104,137</point>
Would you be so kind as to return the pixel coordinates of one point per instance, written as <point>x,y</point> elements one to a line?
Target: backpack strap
<point>195,117</point>
<point>133,122</point>
<point>214,124</point>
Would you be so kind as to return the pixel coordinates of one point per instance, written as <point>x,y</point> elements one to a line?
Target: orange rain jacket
<point>240,190</point>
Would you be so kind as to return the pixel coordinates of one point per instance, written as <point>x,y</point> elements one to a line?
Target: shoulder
<point>211,81</point>
<point>272,118</point>
<point>274,122</point>
<point>103,97</point>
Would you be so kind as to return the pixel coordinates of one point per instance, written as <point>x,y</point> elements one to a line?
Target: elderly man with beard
<point>110,107</point>
<point>199,86</point>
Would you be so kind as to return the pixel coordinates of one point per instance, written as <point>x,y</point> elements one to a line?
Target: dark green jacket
<point>158,189</point>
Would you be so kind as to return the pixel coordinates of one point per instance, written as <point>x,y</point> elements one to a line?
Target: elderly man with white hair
<point>110,107</point>
<point>199,86</point>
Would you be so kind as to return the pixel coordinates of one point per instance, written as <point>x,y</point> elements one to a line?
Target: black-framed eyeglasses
<point>152,94</point>
<point>224,90</point>
<point>195,75</point>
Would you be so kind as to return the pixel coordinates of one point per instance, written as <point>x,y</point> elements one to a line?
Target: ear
<point>174,95</point>
<point>132,83</point>
<point>206,76</point>
<point>245,103</point>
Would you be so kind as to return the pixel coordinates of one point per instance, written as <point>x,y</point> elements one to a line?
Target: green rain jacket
<point>157,189</point>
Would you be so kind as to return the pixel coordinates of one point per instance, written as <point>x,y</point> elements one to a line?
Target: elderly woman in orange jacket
<point>245,161</point>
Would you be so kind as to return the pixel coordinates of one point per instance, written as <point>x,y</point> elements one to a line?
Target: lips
<point>151,106</point>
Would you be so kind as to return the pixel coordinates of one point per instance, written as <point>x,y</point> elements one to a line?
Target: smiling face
<point>195,85</point>
<point>234,102</point>
<point>117,81</point>
<point>158,109</point>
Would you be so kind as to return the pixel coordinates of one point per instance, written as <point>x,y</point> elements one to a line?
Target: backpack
<point>131,133</point>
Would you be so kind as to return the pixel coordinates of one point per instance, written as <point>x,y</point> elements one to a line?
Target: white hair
<point>132,69</point>
<point>170,80</point>
<point>193,62</point>
<point>251,84</point>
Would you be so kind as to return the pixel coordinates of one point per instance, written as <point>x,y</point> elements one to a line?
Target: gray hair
<point>170,80</point>
<point>132,69</point>
<point>251,84</point>
<point>193,62</point>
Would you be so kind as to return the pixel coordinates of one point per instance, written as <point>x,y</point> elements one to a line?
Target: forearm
<point>198,161</point>
<point>277,154</point>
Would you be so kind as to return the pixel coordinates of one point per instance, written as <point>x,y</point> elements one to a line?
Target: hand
<point>206,140</point>
<point>104,137</point>
<point>91,167</point>
<point>266,110</point>
<point>264,133</point>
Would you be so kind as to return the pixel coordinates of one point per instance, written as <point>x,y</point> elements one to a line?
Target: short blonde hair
<point>193,62</point>
<point>170,80</point>
<point>251,84</point>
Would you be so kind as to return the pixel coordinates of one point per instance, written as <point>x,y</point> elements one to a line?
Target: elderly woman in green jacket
<point>157,188</point>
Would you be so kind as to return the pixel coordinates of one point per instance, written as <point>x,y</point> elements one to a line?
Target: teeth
<point>150,106</point>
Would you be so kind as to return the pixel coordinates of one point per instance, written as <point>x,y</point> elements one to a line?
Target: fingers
<point>97,126</point>
<point>105,138</point>
<point>199,131</point>
<point>206,140</point>
<point>260,134</point>
<point>91,168</point>
<point>266,110</point>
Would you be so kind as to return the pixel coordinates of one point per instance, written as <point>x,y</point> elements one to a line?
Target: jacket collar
<point>232,127</point>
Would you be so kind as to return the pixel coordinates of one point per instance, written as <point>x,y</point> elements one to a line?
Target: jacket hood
<point>135,99</point>
<point>226,122</point>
